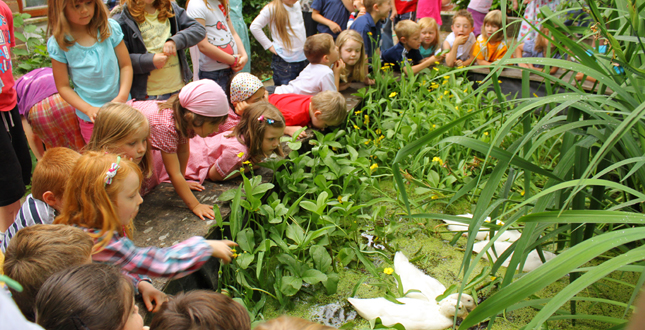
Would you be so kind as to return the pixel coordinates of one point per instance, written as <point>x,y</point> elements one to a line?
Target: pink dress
<point>429,8</point>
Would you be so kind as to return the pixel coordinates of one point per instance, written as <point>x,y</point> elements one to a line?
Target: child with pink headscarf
<point>198,110</point>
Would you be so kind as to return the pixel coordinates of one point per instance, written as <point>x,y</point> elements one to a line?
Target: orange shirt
<point>490,52</point>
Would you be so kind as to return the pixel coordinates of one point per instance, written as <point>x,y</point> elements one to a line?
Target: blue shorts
<point>221,77</point>
<point>284,72</point>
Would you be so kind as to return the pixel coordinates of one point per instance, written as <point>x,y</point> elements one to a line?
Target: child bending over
<point>38,252</point>
<point>321,111</point>
<point>352,52</point>
<point>490,45</point>
<point>317,76</point>
<point>201,309</point>
<point>407,50</point>
<point>460,41</point>
<point>47,189</point>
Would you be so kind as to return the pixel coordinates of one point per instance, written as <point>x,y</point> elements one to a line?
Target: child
<point>123,130</point>
<point>478,10</point>
<point>156,32</point>
<point>331,15</point>
<point>409,35</point>
<point>46,117</point>
<point>291,323</point>
<point>460,41</point>
<point>198,109</point>
<point>402,10</point>
<point>429,36</point>
<point>490,45</point>
<point>321,111</point>
<point>537,48</point>
<point>317,76</point>
<point>369,25</point>
<point>104,198</point>
<point>88,297</point>
<point>48,186</point>
<point>601,49</point>
<point>284,18</point>
<point>255,138</point>
<point>222,51</point>
<point>429,8</point>
<point>201,309</point>
<point>87,47</point>
<point>39,251</point>
<point>245,89</point>
<point>352,52</point>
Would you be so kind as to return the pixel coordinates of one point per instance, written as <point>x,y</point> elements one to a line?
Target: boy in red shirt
<point>326,109</point>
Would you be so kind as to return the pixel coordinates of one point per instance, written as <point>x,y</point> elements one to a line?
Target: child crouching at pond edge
<point>256,137</point>
<point>103,198</point>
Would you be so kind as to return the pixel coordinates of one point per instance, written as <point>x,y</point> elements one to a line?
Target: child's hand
<point>150,294</point>
<point>203,210</point>
<point>222,249</point>
<point>240,107</point>
<point>169,48</point>
<point>159,60</point>
<point>290,130</point>
<point>460,40</point>
<point>240,63</point>
<point>334,27</point>
<point>338,66</point>
<point>369,81</point>
<point>92,112</point>
<point>195,186</point>
<point>272,49</point>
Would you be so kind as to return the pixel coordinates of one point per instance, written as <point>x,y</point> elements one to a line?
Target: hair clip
<point>111,173</point>
<point>261,118</point>
<point>269,120</point>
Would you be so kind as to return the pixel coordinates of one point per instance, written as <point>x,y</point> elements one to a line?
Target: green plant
<point>35,54</point>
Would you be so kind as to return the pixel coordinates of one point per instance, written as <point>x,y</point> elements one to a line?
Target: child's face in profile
<point>135,146</point>
<point>350,52</point>
<point>414,40</point>
<point>490,29</point>
<point>461,26</point>
<point>128,199</point>
<point>428,35</point>
<point>333,54</point>
<point>135,321</point>
<point>271,140</point>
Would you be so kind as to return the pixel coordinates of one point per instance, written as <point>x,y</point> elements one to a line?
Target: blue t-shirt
<point>398,54</point>
<point>370,32</point>
<point>426,52</point>
<point>333,10</point>
<point>94,70</point>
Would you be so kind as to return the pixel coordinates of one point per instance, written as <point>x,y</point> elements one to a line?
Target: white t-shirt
<point>298,37</point>
<point>463,51</point>
<point>217,31</point>
<point>315,78</point>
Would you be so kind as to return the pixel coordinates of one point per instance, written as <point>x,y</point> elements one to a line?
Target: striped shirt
<point>32,212</point>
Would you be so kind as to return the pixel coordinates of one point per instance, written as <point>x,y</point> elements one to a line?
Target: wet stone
<point>334,314</point>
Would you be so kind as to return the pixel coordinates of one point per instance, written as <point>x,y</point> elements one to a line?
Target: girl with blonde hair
<point>490,45</point>
<point>429,37</point>
<point>287,26</point>
<point>124,130</point>
<point>352,52</point>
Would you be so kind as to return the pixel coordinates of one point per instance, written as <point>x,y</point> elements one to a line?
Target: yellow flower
<point>383,68</point>
<point>378,131</point>
<point>388,270</point>
<point>367,120</point>
<point>357,112</point>
<point>437,63</point>
<point>535,95</point>
<point>340,199</point>
<point>478,81</point>
<point>435,68</point>
<point>241,169</point>
<point>423,83</point>
<point>393,94</point>
<point>487,220</point>
<point>434,197</point>
<point>246,162</point>
<point>233,250</point>
<point>486,133</point>
<point>334,148</point>
<point>368,141</point>
<point>460,67</point>
<point>499,222</point>
<point>381,137</point>
<point>356,127</point>
<point>446,93</point>
<point>369,33</point>
<point>434,126</point>
<point>522,192</point>
<point>469,110</point>
<point>466,90</point>
<point>446,77</point>
<point>499,81</point>
<point>240,155</point>
<point>235,255</point>
<point>492,278</point>
<point>437,160</point>
<point>373,167</point>
<point>440,97</point>
<point>456,108</point>
<point>445,82</point>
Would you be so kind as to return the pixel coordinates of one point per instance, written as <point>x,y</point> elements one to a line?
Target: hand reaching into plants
<point>222,249</point>
<point>150,294</point>
<point>290,130</point>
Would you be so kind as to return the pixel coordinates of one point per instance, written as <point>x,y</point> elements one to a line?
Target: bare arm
<point>61,78</point>
<point>349,5</point>
<point>451,57</point>
<point>240,47</point>
<point>213,51</point>
<point>125,79</point>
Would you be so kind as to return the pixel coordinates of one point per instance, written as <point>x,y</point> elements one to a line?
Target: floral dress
<point>531,16</point>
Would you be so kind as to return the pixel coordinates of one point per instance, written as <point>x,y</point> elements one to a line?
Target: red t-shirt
<point>8,97</point>
<point>294,108</point>
<point>405,6</point>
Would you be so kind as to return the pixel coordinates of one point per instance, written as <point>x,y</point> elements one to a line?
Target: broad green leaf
<point>290,285</point>
<point>313,276</point>
<point>322,260</point>
<point>245,240</point>
<point>244,260</point>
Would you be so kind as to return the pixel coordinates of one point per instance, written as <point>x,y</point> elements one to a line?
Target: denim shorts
<point>221,77</point>
<point>284,72</point>
<point>161,97</point>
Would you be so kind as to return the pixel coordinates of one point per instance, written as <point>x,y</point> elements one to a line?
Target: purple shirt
<point>34,87</point>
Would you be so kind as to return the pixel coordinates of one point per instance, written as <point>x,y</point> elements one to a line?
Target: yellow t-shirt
<point>489,51</point>
<point>155,34</point>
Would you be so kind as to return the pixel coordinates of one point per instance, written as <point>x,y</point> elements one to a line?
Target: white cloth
<point>482,6</point>
<point>217,31</point>
<point>463,51</point>
<point>298,37</point>
<point>11,316</point>
<point>315,78</point>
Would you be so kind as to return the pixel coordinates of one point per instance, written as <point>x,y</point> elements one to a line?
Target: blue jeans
<point>284,72</point>
<point>221,77</point>
<point>386,35</point>
<point>411,16</point>
<point>161,97</point>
